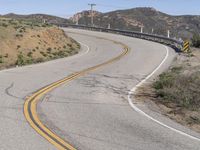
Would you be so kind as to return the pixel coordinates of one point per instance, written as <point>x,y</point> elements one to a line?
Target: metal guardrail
<point>175,44</point>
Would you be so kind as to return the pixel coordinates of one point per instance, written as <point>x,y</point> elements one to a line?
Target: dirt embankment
<point>23,43</point>
<point>176,92</point>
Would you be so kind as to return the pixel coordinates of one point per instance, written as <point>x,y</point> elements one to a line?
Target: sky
<point>66,8</point>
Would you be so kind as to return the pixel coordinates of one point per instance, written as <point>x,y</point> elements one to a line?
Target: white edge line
<point>88,48</point>
<point>133,91</point>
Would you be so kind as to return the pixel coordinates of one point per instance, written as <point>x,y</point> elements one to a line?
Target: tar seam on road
<point>133,91</point>
<point>30,105</point>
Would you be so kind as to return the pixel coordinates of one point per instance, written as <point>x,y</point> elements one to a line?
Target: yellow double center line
<point>30,105</point>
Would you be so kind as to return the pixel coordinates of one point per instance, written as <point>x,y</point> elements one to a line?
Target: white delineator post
<point>168,33</point>
<point>141,29</point>
<point>108,26</point>
<point>77,20</point>
<point>44,21</point>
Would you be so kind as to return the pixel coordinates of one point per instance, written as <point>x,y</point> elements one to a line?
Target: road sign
<point>186,46</point>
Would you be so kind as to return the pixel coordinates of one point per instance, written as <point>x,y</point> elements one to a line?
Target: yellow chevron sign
<point>186,46</point>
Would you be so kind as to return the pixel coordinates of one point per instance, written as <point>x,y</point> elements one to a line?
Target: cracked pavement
<point>91,112</point>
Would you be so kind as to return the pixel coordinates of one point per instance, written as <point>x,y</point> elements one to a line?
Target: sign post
<point>186,46</point>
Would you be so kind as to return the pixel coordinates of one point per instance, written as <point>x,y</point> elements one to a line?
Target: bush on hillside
<point>20,59</point>
<point>180,89</point>
<point>196,40</point>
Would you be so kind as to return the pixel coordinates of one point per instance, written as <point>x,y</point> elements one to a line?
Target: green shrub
<point>21,31</point>
<point>72,48</point>
<point>79,46</point>
<point>19,35</point>
<point>196,40</point>
<point>70,45</point>
<point>20,59</point>
<point>4,25</point>
<point>29,61</point>
<point>30,54</point>
<point>166,80</point>
<point>54,53</point>
<point>6,55</point>
<point>44,25</point>
<point>49,49</point>
<point>43,53</point>
<point>1,59</point>
<point>50,56</point>
<point>39,60</point>
<point>18,46</point>
<point>180,89</point>
<point>61,53</point>
<point>64,47</point>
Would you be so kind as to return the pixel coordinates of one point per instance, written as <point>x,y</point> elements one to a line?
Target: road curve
<point>90,112</point>
<point>30,106</point>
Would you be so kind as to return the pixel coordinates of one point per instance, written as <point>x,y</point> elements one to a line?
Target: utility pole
<point>92,14</point>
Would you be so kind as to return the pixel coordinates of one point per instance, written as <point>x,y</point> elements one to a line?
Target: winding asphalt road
<point>91,111</point>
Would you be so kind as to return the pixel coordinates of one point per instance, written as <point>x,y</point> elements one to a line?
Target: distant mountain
<point>39,18</point>
<point>149,18</point>
<point>84,17</point>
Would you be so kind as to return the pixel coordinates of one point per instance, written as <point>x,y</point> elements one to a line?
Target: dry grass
<point>24,43</point>
<point>181,89</point>
<point>176,92</point>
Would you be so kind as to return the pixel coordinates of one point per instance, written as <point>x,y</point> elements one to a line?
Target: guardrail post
<point>152,31</point>
<point>168,33</point>
<point>176,44</point>
<point>141,29</point>
<point>108,26</point>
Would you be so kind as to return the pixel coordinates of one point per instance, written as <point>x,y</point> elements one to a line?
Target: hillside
<point>39,18</point>
<point>84,17</point>
<point>24,42</point>
<point>133,19</point>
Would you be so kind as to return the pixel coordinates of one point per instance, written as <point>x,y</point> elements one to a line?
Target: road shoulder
<point>147,96</point>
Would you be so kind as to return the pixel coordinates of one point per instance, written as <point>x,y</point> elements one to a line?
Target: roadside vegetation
<point>28,42</point>
<point>196,40</point>
<point>176,92</point>
<point>182,89</point>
